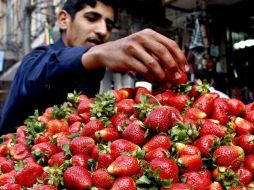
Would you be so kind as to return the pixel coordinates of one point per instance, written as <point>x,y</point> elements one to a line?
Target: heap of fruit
<point>181,138</point>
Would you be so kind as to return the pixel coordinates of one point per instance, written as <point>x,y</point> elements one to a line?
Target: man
<point>78,60</point>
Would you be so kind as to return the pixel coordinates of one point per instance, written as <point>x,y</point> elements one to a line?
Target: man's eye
<point>91,18</point>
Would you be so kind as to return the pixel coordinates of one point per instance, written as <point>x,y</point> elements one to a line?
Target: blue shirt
<point>43,79</point>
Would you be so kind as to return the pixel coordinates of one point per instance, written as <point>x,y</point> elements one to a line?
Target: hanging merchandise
<point>197,46</point>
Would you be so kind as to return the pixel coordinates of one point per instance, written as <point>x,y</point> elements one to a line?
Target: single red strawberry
<point>3,149</point>
<point>139,92</point>
<point>220,110</point>
<point>244,175</point>
<point>82,145</point>
<point>135,133</point>
<point>84,106</point>
<point>6,165</point>
<point>178,186</point>
<point>205,103</point>
<point>229,156</point>
<point>74,117</point>
<point>179,101</point>
<point>101,178</point>
<point>215,186</point>
<point>249,163</point>
<point>120,146</point>
<point>124,166</point>
<point>242,126</point>
<point>190,163</point>
<point>196,180</point>
<point>249,116</point>
<point>187,149</point>
<point>236,107</point>
<point>158,140</point>
<point>11,186</point>
<point>62,139</point>
<point>80,160</point>
<point>157,153</point>
<point>125,106</point>
<point>19,151</point>
<point>57,158</point>
<point>21,134</point>
<point>119,119</point>
<point>106,134</point>
<point>206,144</point>
<point>104,160</point>
<point>77,178</point>
<point>198,88</point>
<point>86,117</point>
<point>182,79</point>
<point>124,183</point>
<point>29,175</point>
<point>91,127</point>
<point>195,113</point>
<point>8,177</point>
<point>210,128</point>
<point>164,97</point>
<point>75,127</point>
<point>246,141</point>
<point>162,118</point>
<point>168,168</point>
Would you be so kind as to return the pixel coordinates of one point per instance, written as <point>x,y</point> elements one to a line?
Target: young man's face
<point>91,26</point>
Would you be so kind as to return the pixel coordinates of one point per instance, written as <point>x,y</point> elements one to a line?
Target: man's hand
<point>147,52</point>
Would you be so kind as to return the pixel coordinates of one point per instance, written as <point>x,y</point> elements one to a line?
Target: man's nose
<point>101,29</point>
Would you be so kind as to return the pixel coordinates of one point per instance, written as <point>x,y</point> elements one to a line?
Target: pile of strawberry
<point>181,138</point>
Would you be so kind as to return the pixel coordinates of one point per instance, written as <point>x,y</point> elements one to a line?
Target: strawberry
<point>243,126</point>
<point>101,178</point>
<point>186,149</point>
<point>157,153</point>
<point>236,107</point>
<point>21,134</point>
<point>205,103</point>
<point>28,176</point>
<point>104,160</point>
<point>246,141</point>
<point>57,125</point>
<point>125,106</point>
<point>44,151</point>
<point>244,175</point>
<point>220,110</point>
<point>124,166</point>
<point>195,113</point>
<point>229,156</point>
<point>45,187</point>
<point>190,163</point>
<point>74,117</point>
<point>119,119</point>
<point>80,160</point>
<point>120,146</point>
<point>6,165</point>
<point>120,94</point>
<point>178,186</point>
<point>249,116</point>
<point>177,81</point>
<point>3,149</point>
<point>139,92</point>
<point>124,183</point>
<point>8,177</point>
<point>19,151</point>
<point>57,158</point>
<point>206,144</point>
<point>179,101</point>
<point>162,118</point>
<point>86,117</point>
<point>91,127</point>
<point>84,106</point>
<point>196,180</point>
<point>158,140</point>
<point>198,88</point>
<point>168,168</point>
<point>77,178</point>
<point>82,145</point>
<point>215,186</point>
<point>135,133</point>
<point>62,139</point>
<point>106,134</point>
<point>248,163</point>
<point>11,186</point>
<point>210,128</point>
<point>75,127</point>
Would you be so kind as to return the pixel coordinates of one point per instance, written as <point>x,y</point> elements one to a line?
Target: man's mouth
<point>94,41</point>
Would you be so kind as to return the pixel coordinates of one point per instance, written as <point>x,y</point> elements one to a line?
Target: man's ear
<point>63,18</point>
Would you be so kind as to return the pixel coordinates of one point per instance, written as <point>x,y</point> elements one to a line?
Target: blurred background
<point>217,37</point>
